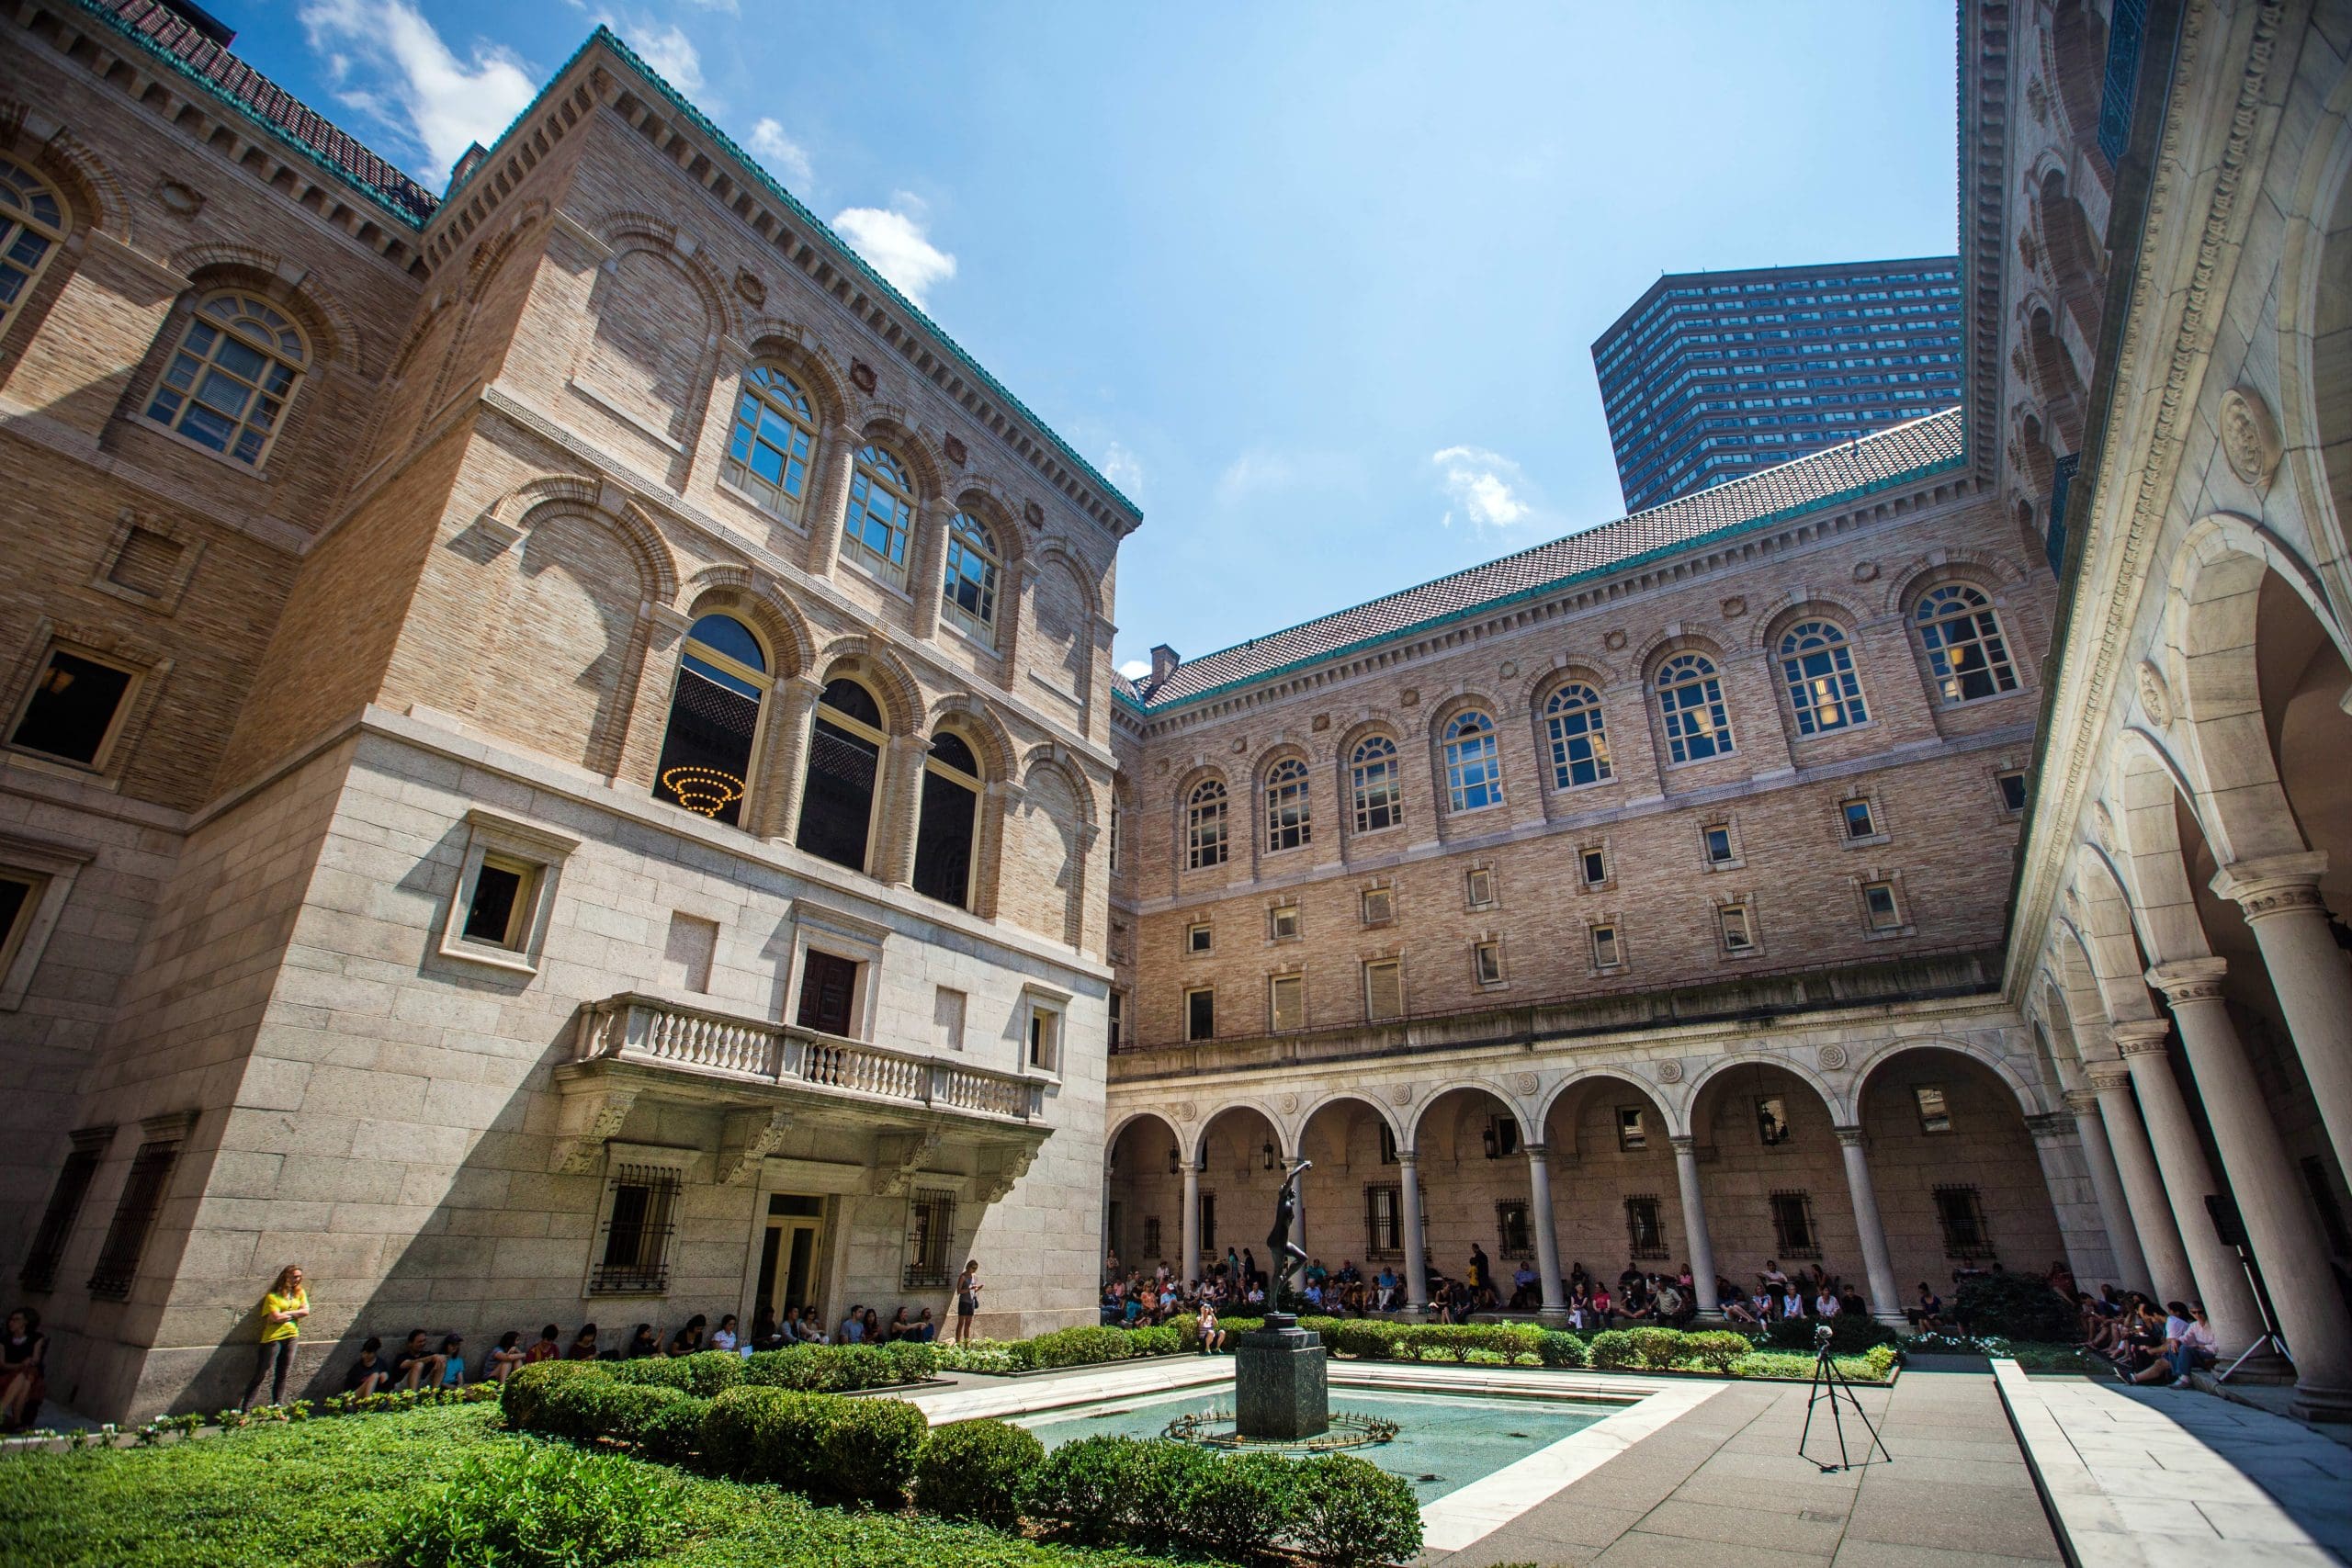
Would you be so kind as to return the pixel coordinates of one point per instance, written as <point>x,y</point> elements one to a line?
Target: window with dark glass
<point>1792,1231</point>
<point>1861,823</point>
<point>1596,868</point>
<point>1515,1235</point>
<point>75,708</point>
<point>57,1221</point>
<point>945,836</point>
<point>2012,790</point>
<point>1645,1226</point>
<point>20,895</point>
<point>828,991</point>
<point>931,1231</point>
<point>1200,1014</point>
<point>706,763</point>
<point>1384,1221</point>
<point>844,772</point>
<point>134,1218</point>
<point>640,1218</point>
<point>1960,1214</point>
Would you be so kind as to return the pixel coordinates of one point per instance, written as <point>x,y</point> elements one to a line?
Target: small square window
<point>1501,1139</point>
<point>501,909</point>
<point>1771,1120</point>
<point>1935,1112</point>
<point>1282,923</point>
<point>1044,1038</point>
<point>1481,887</point>
<point>1595,865</point>
<point>1379,905</point>
<point>76,709</point>
<point>1862,822</point>
<point>2012,784</point>
<point>1200,1013</point>
<point>1606,953</point>
<point>1198,937</point>
<point>1384,989</point>
<point>1738,932</point>
<point>498,915</point>
<point>1488,960</point>
<point>1718,838</point>
<point>1286,1002</point>
<point>1633,1128</point>
<point>1878,903</point>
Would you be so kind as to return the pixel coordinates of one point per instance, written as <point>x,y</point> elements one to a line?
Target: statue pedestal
<point>1280,1387</point>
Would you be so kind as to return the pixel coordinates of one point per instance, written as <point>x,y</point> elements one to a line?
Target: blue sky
<point>1317,285</point>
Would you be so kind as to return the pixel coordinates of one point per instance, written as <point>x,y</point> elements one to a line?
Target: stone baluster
<point>2114,1211</point>
<point>1887,1301</point>
<point>1417,1269</point>
<point>1694,1226</point>
<point>1547,1239</point>
<point>2279,895</point>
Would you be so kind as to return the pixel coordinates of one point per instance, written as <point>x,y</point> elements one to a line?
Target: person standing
<point>283,1308</point>
<point>967,1300</point>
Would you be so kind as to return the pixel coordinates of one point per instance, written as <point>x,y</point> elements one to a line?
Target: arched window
<point>1375,786</point>
<point>32,227</point>
<point>229,381</point>
<point>1473,774</point>
<point>1818,664</point>
<point>946,837</point>
<point>881,508</point>
<point>1967,652</point>
<point>1204,826</point>
<point>1287,825</point>
<point>705,762</point>
<point>767,452</point>
<point>1690,697</point>
<point>1579,741</point>
<point>970,588</point>
<point>844,775</point>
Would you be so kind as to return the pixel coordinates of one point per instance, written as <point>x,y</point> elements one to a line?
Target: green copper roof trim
<point>879,283</point>
<point>1541,590</point>
<point>375,193</point>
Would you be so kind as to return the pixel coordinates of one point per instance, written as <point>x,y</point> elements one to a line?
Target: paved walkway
<point>1722,1484</point>
<point>2150,1478</point>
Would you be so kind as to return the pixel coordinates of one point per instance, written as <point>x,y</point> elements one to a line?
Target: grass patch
<point>341,1492</point>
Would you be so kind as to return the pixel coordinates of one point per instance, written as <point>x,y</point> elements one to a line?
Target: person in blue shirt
<point>453,1361</point>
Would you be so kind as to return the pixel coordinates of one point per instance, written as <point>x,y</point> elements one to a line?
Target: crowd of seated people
<point>2143,1343</point>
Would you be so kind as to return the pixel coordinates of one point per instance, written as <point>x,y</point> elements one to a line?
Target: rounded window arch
<point>1473,771</point>
<point>974,566</point>
<point>881,509</point>
<point>1578,736</point>
<point>1690,701</point>
<point>1376,784</point>
<point>32,229</point>
<point>1204,811</point>
<point>1968,654</point>
<point>233,377</point>
<point>1817,664</point>
<point>773,442</point>
<point>1289,825</point>
<point>844,779</point>
<point>947,835</point>
<point>723,677</point>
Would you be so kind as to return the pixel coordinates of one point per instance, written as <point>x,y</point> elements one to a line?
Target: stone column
<point>2278,1224</point>
<point>2131,1263</point>
<point>893,854</point>
<point>1694,1227</point>
<point>1417,1269</point>
<point>2054,1145</point>
<point>2144,1185</point>
<point>1188,1268</point>
<point>2280,895</point>
<point>2187,1179</point>
<point>1547,1241</point>
<point>1887,1298</point>
<point>829,501</point>
<point>784,772</point>
<point>927,562</point>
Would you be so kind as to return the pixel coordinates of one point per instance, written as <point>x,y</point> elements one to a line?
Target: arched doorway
<point>1351,1208</point>
<point>1616,1200</point>
<point>1143,1181</point>
<point>1474,1186</point>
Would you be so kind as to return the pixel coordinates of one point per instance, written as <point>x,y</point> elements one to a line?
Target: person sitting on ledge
<point>724,1337</point>
<point>926,1329</point>
<point>1826,1304</point>
<point>1212,1336</point>
<point>853,1328</point>
<point>453,1361</point>
<point>504,1359</point>
<point>583,1345</point>
<point>549,1347</point>
<point>371,1373</point>
<point>1736,1307</point>
<point>1927,1317</point>
<point>1524,1295</point>
<point>1605,1309</point>
<point>688,1340</point>
<point>1791,1302</point>
<point>642,1344</point>
<point>416,1366</point>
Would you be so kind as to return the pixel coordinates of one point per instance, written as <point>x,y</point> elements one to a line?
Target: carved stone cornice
<point>1849,1137</point>
<point>2083,1101</point>
<point>2189,979</point>
<point>2051,1126</point>
<point>750,1138</point>
<point>2107,1076</point>
<point>2274,884</point>
<point>2141,1036</point>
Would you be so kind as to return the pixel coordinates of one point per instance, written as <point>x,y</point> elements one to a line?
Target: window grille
<point>40,1272</point>
<point>134,1217</point>
<point>640,1216</point>
<point>1516,1238</point>
<point>1792,1227</point>
<point>1383,1223</point>
<point>931,1230</point>
<point>1959,1211</point>
<point>1644,1229</point>
<point>1151,1236</point>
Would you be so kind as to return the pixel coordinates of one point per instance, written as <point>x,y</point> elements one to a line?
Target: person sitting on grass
<point>371,1373</point>
<point>1212,1336</point>
<point>417,1366</point>
<point>453,1361</point>
<point>505,1358</point>
<point>583,1344</point>
<point>22,1379</point>
<point>549,1347</point>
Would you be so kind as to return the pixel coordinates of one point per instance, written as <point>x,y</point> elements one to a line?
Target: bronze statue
<point>1284,1257</point>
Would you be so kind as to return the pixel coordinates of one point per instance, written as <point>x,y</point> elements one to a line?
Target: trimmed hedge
<point>524,1394</point>
<point>836,1369</point>
<point>1850,1334</point>
<point>976,1469</point>
<point>2015,1307</point>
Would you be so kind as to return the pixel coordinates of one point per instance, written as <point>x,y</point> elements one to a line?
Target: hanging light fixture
<point>1271,1161</point>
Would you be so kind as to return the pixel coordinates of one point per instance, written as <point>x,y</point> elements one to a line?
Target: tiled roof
<point>1890,456</point>
<point>172,40</point>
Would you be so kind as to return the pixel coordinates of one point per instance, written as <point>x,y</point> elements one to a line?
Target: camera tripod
<point>1829,1384</point>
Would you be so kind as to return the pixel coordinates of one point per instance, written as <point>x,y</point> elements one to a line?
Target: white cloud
<point>413,81</point>
<point>1259,471</point>
<point>892,239</point>
<point>1135,669</point>
<point>786,158</point>
<point>664,46</point>
<point>1123,468</point>
<point>1487,490</point>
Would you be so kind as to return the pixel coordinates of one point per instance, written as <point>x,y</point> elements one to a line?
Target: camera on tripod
<point>1821,1338</point>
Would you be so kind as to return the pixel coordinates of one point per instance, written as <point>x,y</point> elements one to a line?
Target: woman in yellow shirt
<point>282,1312</point>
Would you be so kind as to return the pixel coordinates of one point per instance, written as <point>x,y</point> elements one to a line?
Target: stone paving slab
<point>2152,1478</point>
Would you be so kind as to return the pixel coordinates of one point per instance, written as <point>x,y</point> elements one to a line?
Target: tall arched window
<point>946,837</point>
<point>844,775</point>
<point>1473,774</point>
<point>1966,651</point>
<point>1818,665</point>
<point>705,762</point>
<point>1690,697</point>
<point>32,227</point>
<point>1287,825</point>
<point>1375,784</point>
<point>768,450</point>
<point>1204,826</point>
<point>881,509</point>
<point>232,378</point>
<point>1580,741</point>
<point>970,587</point>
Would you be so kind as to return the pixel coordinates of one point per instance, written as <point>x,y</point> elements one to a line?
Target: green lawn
<point>330,1492</point>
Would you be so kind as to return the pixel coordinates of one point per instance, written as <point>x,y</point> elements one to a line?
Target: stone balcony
<point>770,1077</point>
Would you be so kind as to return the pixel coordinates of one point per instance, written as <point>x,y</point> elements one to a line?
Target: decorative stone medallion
<point>1524,1082</point>
<point>748,288</point>
<point>1670,1071</point>
<point>186,200</point>
<point>1614,642</point>
<point>2249,435</point>
<point>1239,745</point>
<point>1288,1104</point>
<point>1510,668</point>
<point>1322,721</point>
<point>1400,1093</point>
<point>2154,696</point>
<point>862,373</point>
<point>957,453</point>
<point>1185,1110</point>
<point>1735,606</point>
<point>1410,697</point>
<point>1866,571</point>
<point>1831,1058</point>
<point>1033,514</point>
